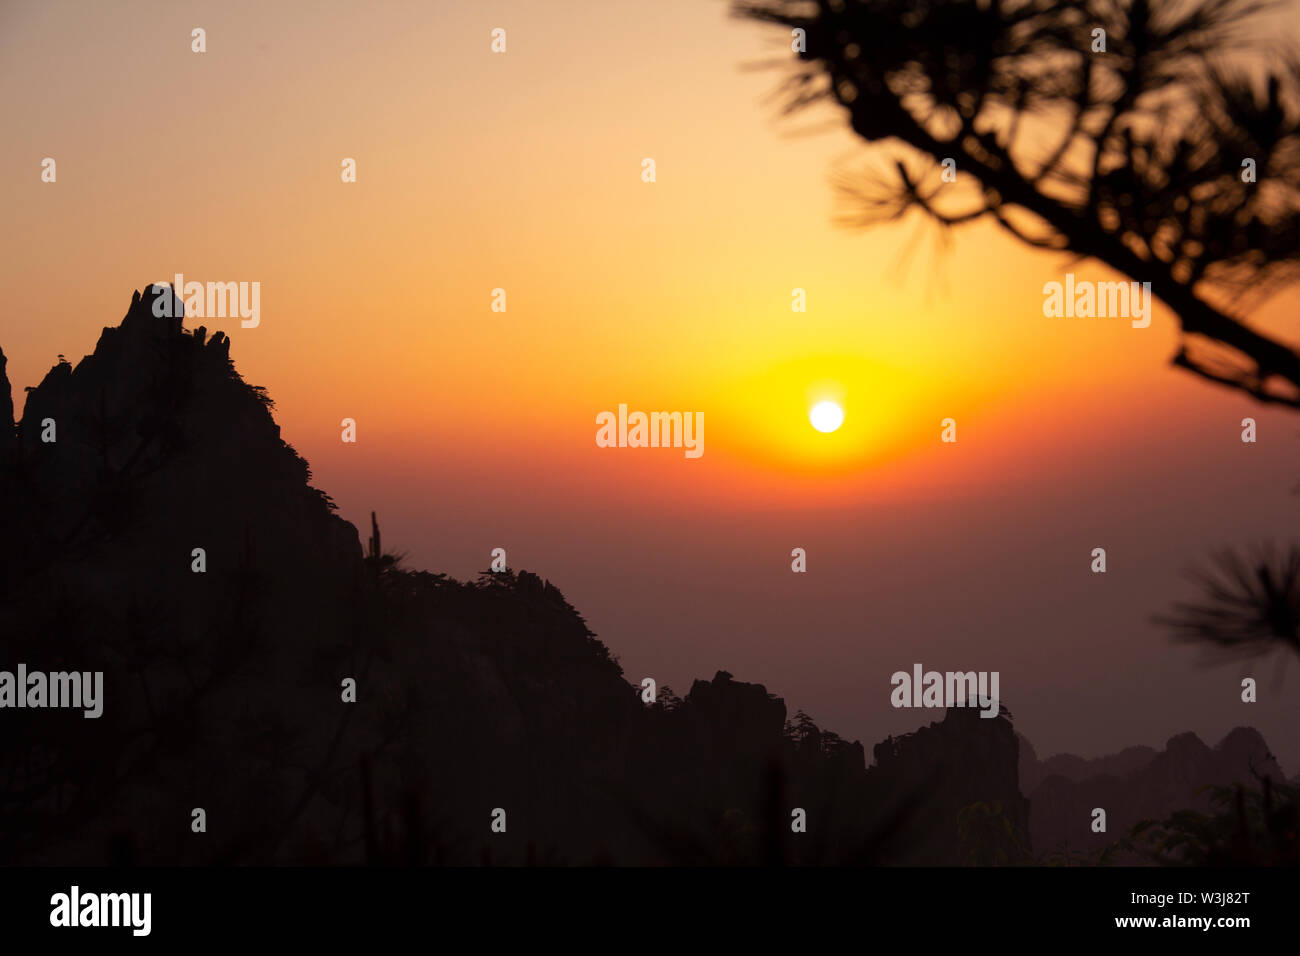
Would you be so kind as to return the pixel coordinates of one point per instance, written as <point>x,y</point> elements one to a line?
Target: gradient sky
<point>476,429</point>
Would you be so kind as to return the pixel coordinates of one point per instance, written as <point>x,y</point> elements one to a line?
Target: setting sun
<point>826,416</point>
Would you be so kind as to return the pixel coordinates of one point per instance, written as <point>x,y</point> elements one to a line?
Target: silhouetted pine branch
<point>1133,156</point>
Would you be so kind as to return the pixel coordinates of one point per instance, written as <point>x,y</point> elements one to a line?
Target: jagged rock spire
<point>6,409</point>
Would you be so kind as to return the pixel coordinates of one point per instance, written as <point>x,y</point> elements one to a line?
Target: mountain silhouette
<point>1136,784</point>
<point>157,527</point>
<point>1034,771</point>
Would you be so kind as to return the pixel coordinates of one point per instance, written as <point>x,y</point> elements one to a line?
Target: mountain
<point>974,812</point>
<point>1136,784</point>
<point>1033,771</point>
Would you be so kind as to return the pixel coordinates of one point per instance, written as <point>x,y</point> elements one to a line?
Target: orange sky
<point>476,429</point>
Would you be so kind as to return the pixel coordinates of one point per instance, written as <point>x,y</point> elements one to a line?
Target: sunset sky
<point>476,429</point>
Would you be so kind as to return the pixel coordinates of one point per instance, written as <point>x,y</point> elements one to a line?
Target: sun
<point>826,416</point>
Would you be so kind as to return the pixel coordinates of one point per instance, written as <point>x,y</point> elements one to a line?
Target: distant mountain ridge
<point>1072,767</point>
<point>1135,784</point>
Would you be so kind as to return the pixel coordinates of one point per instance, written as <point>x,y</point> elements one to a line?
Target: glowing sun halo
<point>826,416</point>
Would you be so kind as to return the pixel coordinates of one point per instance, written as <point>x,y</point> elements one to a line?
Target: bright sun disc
<point>826,416</point>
